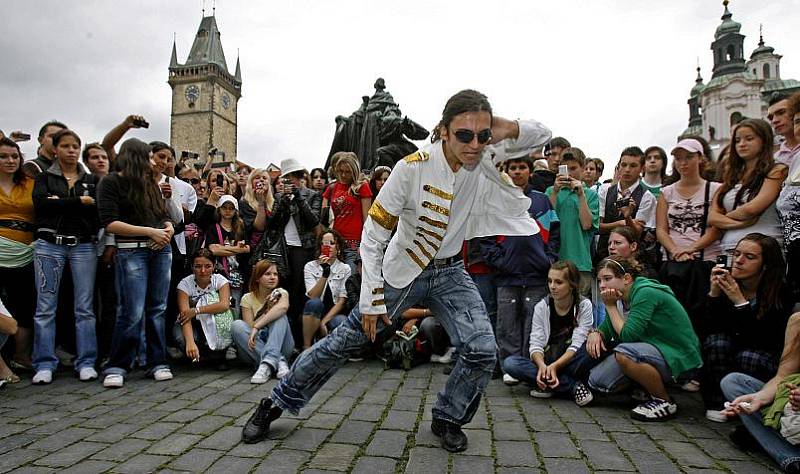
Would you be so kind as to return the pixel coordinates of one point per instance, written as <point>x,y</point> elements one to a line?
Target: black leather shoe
<point>257,427</point>
<point>453,439</point>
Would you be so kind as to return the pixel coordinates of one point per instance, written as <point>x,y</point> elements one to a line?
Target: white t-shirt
<point>647,207</point>
<point>189,286</point>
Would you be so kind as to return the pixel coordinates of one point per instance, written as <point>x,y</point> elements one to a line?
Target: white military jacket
<point>416,200</point>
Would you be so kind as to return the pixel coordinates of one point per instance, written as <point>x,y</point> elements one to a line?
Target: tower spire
<point>238,74</point>
<point>727,13</point>
<point>761,34</point>
<point>173,61</point>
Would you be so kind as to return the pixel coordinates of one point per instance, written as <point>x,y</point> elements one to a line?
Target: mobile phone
<point>722,261</point>
<point>622,203</point>
<point>259,185</point>
<point>563,170</point>
<point>326,251</point>
<point>275,295</point>
<point>20,137</point>
<point>166,180</point>
<point>220,180</point>
<point>141,123</point>
<point>184,155</point>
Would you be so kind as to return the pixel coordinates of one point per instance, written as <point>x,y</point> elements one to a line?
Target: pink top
<point>685,216</point>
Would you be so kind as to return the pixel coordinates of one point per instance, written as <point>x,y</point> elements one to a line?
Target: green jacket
<point>656,317</point>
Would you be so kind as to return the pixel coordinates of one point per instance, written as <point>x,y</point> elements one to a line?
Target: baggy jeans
<point>453,298</point>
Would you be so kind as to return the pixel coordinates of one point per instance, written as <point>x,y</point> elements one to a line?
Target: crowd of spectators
<point>116,260</point>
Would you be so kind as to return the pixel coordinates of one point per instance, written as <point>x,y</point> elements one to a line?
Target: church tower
<point>205,97</point>
<point>728,46</point>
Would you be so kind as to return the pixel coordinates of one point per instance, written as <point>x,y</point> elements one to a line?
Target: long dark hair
<point>619,266</point>
<point>735,164</point>
<point>467,100</point>
<point>19,176</point>
<point>662,155</point>
<point>337,237</point>
<point>773,272</point>
<point>237,224</point>
<point>573,278</point>
<point>135,169</point>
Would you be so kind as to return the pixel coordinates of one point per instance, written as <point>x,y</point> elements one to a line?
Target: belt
<point>352,244</point>
<point>17,225</point>
<point>446,262</point>
<point>68,240</point>
<point>134,245</point>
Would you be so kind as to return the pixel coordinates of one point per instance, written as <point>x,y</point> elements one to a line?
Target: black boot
<point>257,427</point>
<point>453,439</point>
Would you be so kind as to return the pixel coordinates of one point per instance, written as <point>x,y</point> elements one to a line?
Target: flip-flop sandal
<point>16,365</point>
<point>13,378</point>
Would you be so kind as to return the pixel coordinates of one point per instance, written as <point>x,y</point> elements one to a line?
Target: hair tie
<point>618,264</point>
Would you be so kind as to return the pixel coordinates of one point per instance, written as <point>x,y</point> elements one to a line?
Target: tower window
<point>766,71</point>
<point>731,53</point>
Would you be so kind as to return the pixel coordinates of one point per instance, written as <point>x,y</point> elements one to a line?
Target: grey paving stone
<point>234,409</point>
<point>15,442</point>
<point>198,459</point>
<point>89,466</point>
<point>374,465</point>
<point>353,432</point>
<point>687,454</point>
<point>324,420</point>
<point>174,444</point>
<point>663,432</point>
<point>185,415</point>
<point>367,412</point>
<point>479,442</point>
<point>503,414</point>
<point>31,469</point>
<point>206,424</point>
<point>341,405</point>
<point>223,439</point>
<point>122,450</point>
<point>307,439</point>
<point>18,457</point>
<point>605,456</point>
<point>723,449</point>
<point>8,429</point>
<point>614,424</point>
<point>652,463</point>
<point>635,442</point>
<point>750,467</point>
<point>141,464</point>
<point>256,450</point>
<point>283,461</point>
<point>427,460</point>
<point>407,403</point>
<point>282,428</point>
<point>556,445</point>
<point>334,457</point>
<point>61,439</point>
<point>56,425</point>
<point>511,431</point>
<point>473,464</point>
<point>156,431</point>
<point>230,464</point>
<point>516,453</point>
<point>587,431</point>
<point>400,420</point>
<point>388,443</point>
<point>517,470</point>
<point>572,466</point>
<point>113,433</point>
<point>71,454</point>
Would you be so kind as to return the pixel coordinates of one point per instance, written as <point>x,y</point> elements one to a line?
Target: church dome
<point>762,49</point>
<point>698,86</point>
<point>727,26</point>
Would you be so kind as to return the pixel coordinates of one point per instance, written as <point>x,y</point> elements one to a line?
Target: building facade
<point>205,97</point>
<point>738,88</point>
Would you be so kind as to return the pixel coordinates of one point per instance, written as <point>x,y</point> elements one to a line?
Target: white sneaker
<point>230,354</point>
<point>509,380</point>
<point>42,377</point>
<point>86,374</point>
<point>445,358</point>
<point>261,375</point>
<point>283,369</point>
<point>716,416</point>
<point>162,374</point>
<point>113,381</point>
<point>655,409</point>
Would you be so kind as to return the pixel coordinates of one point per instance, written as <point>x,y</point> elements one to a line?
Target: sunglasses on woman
<point>466,136</point>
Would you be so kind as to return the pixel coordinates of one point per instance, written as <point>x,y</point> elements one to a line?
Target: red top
<point>347,209</point>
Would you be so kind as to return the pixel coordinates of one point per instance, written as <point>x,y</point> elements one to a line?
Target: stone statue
<point>377,132</point>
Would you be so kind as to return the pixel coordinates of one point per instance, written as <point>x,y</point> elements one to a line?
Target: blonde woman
<point>256,204</point>
<point>350,198</point>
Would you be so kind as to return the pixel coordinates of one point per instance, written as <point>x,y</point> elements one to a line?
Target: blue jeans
<point>315,307</point>
<point>488,292</point>
<point>514,315</point>
<point>453,298</point>
<point>607,376</point>
<point>350,256</point>
<point>737,384</point>
<point>142,283</point>
<point>49,260</point>
<point>524,369</point>
<point>273,342</point>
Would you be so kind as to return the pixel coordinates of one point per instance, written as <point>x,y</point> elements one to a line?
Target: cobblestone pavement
<point>365,420</point>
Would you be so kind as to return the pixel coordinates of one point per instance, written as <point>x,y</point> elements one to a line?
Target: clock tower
<point>205,97</point>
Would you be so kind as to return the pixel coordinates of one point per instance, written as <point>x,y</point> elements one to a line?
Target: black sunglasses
<point>466,136</point>
<point>191,180</point>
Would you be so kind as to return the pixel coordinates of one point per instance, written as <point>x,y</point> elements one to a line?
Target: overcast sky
<point>604,74</point>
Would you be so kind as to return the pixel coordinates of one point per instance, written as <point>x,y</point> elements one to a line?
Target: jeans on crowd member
<point>298,257</point>
<point>105,307</point>
<point>525,370</point>
<point>453,298</point>
<point>198,336</point>
<point>488,292</point>
<point>514,316</point>
<point>350,256</point>
<point>273,342</point>
<point>142,282</point>
<point>315,307</point>
<point>49,260</point>
<point>433,331</point>
<point>722,357</point>
<point>737,384</point>
<point>607,376</point>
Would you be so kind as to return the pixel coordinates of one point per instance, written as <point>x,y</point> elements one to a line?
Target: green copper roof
<point>728,25</point>
<point>698,86</point>
<point>720,80</point>
<point>207,47</point>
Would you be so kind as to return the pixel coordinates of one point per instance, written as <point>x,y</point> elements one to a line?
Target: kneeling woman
<point>325,280</point>
<point>262,337</point>
<point>559,328</point>
<point>202,292</point>
<point>653,345</point>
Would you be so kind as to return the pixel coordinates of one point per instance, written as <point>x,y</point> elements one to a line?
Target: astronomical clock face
<point>192,93</point>
<point>226,101</point>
